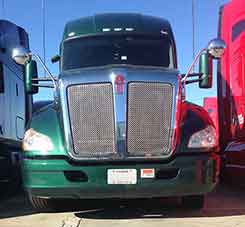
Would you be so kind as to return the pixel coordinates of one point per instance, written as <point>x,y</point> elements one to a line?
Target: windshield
<point>106,50</point>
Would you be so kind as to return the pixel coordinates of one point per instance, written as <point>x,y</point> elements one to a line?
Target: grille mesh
<point>92,120</point>
<point>149,118</point>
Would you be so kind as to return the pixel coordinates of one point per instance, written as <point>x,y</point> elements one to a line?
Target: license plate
<point>121,176</point>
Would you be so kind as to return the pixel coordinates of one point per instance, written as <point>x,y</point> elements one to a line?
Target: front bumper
<point>195,175</point>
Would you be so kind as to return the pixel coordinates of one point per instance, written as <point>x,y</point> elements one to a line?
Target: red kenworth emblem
<point>119,84</point>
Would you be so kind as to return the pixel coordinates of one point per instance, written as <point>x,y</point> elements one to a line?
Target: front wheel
<point>193,202</point>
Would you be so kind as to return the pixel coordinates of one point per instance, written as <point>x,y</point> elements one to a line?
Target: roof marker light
<point>106,29</point>
<point>124,58</point>
<point>117,29</point>
<point>164,32</point>
<point>129,29</point>
<point>71,34</point>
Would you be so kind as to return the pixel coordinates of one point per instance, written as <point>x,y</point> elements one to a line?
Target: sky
<point>28,14</point>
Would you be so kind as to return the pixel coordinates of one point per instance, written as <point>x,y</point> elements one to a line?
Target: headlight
<point>35,141</point>
<point>205,138</point>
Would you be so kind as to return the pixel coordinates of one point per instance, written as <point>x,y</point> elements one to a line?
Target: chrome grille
<point>149,118</point>
<point>92,120</point>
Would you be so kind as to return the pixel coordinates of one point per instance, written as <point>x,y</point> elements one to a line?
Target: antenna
<point>44,31</point>
<point>193,30</point>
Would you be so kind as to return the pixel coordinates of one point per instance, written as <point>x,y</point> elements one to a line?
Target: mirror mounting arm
<point>192,75</point>
<point>192,65</point>
<point>190,69</point>
<point>43,79</point>
<point>192,81</point>
<point>46,69</point>
<point>43,85</point>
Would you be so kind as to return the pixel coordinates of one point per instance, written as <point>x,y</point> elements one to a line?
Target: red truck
<point>231,88</point>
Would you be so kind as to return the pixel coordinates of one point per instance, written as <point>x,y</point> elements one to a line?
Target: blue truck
<point>15,103</point>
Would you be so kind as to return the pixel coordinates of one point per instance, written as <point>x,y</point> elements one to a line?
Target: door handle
<point>17,90</point>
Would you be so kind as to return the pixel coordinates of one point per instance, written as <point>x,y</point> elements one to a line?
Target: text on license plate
<point>121,176</point>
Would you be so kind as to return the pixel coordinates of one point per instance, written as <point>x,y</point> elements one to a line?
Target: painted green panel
<point>206,68</point>
<point>79,27</point>
<point>46,175</point>
<point>46,121</point>
<point>30,73</point>
<point>94,25</point>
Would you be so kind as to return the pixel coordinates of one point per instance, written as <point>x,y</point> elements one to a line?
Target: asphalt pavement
<point>223,207</point>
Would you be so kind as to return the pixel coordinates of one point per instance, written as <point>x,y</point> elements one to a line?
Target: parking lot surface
<point>224,207</point>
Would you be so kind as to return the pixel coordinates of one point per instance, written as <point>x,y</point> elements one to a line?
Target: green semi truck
<point>119,125</point>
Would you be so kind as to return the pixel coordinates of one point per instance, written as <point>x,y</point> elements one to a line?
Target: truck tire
<point>193,202</point>
<point>41,204</point>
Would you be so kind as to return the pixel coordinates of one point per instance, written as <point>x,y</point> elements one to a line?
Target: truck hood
<point>119,77</point>
<point>129,72</point>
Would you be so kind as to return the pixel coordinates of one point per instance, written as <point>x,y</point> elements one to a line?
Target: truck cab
<point>119,126</point>
<point>231,88</point>
<point>15,104</point>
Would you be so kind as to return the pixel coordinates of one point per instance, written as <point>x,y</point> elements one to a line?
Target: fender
<point>193,119</point>
<point>45,120</point>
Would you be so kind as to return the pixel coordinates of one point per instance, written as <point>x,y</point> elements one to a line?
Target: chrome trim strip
<point>120,110</point>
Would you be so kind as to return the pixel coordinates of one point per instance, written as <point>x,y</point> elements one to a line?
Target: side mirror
<point>30,74</point>
<point>206,70</point>
<point>20,55</point>
<point>216,48</point>
<point>55,58</point>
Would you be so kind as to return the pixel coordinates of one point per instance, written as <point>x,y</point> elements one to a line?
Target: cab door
<point>238,89</point>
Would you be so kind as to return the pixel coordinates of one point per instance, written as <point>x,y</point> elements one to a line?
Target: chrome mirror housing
<point>20,55</point>
<point>216,48</point>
